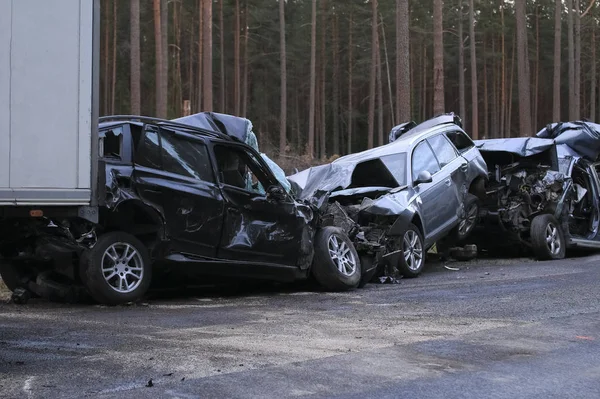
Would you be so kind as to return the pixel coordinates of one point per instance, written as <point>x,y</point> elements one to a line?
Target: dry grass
<point>4,291</point>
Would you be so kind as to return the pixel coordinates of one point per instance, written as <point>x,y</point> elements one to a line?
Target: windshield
<point>396,164</point>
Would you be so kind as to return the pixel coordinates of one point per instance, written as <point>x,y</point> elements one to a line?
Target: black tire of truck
<point>336,265</point>
<point>412,256</point>
<point>547,238</point>
<point>16,275</point>
<point>470,220</point>
<point>117,269</point>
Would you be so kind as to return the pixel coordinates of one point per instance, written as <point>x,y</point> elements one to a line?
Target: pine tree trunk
<point>323,68</point>
<point>380,128</point>
<point>134,39</point>
<point>438,58</point>
<point>178,95</point>
<point>577,77</point>
<point>593,79</point>
<point>113,91</point>
<point>461,65</point>
<point>336,86</point>
<point>246,61</point>
<point>571,56</point>
<point>106,57</point>
<point>159,54</point>
<point>222,100</point>
<point>207,86</point>
<point>387,68</point>
<point>350,84</point>
<point>403,80</point>
<point>200,55</point>
<point>503,127</point>
<point>536,88</point>
<point>283,94</point>
<point>372,83</point>
<point>164,35</point>
<point>474,99</point>
<point>525,125</point>
<point>557,60</point>
<point>236,61</point>
<point>511,85</point>
<point>424,85</point>
<point>310,150</point>
<point>486,116</point>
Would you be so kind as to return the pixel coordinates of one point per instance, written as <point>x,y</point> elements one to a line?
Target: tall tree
<point>474,99</point>
<point>350,82</point>
<point>571,56</point>
<point>283,95</point>
<point>461,64</point>
<point>236,61</point>
<point>134,55</point>
<point>372,83</point>
<point>403,84</point>
<point>336,84</point>
<point>557,59</point>
<point>114,60</point>
<point>525,125</point>
<point>207,86</point>
<point>438,58</point>
<point>577,64</point>
<point>161,77</point>
<point>222,57</point>
<point>313,62</point>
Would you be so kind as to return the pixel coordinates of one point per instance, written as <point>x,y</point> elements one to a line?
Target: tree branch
<point>592,2</point>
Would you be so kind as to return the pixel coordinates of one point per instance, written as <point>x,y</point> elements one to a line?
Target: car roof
<point>404,143</point>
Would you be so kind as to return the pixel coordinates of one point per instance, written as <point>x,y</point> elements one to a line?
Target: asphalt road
<point>493,329</point>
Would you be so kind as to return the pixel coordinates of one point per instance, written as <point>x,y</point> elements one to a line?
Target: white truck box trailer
<point>48,102</point>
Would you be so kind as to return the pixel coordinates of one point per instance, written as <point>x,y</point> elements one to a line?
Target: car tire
<point>336,265</point>
<point>117,269</point>
<point>547,238</point>
<point>412,252</point>
<point>470,220</point>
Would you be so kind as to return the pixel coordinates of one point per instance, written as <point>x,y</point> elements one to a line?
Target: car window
<point>423,159</point>
<point>442,149</point>
<point>460,140</point>
<point>185,157</point>
<point>111,143</point>
<point>239,168</point>
<point>396,164</point>
<point>148,153</point>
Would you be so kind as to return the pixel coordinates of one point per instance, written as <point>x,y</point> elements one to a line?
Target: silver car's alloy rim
<point>341,255</point>
<point>553,239</point>
<point>413,250</point>
<point>122,267</point>
<point>469,221</point>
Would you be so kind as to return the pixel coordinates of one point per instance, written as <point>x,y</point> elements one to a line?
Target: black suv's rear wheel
<point>412,252</point>
<point>336,265</point>
<point>547,238</point>
<point>117,269</point>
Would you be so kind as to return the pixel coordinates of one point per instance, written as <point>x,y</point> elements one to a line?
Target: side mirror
<point>423,177</point>
<point>276,193</point>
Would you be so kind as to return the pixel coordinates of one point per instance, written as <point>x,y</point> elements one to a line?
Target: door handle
<point>448,182</point>
<point>464,167</point>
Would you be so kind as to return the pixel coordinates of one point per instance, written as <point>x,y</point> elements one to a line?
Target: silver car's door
<point>454,172</point>
<point>430,196</point>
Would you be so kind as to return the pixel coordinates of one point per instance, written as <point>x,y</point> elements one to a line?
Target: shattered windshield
<point>396,163</point>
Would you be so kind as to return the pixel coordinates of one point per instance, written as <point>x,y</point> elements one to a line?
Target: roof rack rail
<point>164,122</point>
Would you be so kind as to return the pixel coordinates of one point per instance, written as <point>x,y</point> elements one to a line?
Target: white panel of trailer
<point>47,140</point>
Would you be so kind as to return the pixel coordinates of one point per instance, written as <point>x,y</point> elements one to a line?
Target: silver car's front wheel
<point>341,255</point>
<point>411,259</point>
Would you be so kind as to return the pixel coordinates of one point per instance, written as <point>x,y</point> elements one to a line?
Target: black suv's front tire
<point>117,269</point>
<point>336,265</point>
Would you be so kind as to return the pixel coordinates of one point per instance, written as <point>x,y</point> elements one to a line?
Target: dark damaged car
<point>194,197</point>
<point>543,193</point>
<point>402,197</point>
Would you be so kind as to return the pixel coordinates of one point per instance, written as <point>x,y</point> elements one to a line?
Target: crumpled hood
<point>581,137</point>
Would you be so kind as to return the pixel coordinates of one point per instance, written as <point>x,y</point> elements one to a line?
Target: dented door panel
<point>260,230</point>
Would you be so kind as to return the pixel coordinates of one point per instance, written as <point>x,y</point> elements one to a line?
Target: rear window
<point>460,140</point>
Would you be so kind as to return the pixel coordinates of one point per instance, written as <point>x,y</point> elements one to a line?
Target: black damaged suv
<point>194,199</point>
